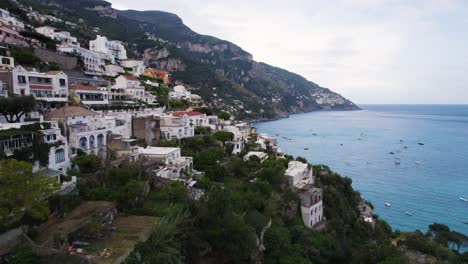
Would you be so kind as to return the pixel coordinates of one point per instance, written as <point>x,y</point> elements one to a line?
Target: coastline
<point>412,229</point>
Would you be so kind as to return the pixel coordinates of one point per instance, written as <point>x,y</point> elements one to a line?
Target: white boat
<point>463,199</point>
<point>408,213</point>
<point>388,204</point>
<point>418,163</point>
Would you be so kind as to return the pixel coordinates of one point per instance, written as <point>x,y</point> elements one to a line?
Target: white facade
<point>50,87</point>
<point>176,127</point>
<point>3,89</point>
<point>7,62</point>
<point>138,67</point>
<point>92,60</point>
<point>132,87</point>
<point>180,93</point>
<point>88,134</point>
<point>119,123</point>
<point>311,206</point>
<point>113,48</point>
<point>261,155</point>
<point>174,166</point>
<point>266,141</point>
<point>112,70</point>
<point>63,36</point>
<point>299,174</point>
<point>59,159</point>
<point>10,21</point>
<point>90,95</point>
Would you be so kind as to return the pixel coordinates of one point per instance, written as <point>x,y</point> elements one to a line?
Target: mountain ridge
<point>225,75</point>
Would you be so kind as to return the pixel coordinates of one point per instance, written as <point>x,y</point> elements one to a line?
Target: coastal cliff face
<point>224,74</point>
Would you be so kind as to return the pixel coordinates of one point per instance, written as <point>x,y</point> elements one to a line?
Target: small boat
<point>397,162</point>
<point>421,144</point>
<point>391,153</point>
<point>314,134</point>
<point>465,222</point>
<point>401,140</point>
<point>463,199</point>
<point>306,148</point>
<point>405,147</point>
<point>341,144</point>
<point>418,163</point>
<point>408,213</point>
<point>388,204</point>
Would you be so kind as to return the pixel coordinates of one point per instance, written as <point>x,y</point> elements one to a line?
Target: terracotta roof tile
<point>69,111</point>
<point>192,113</point>
<point>82,87</point>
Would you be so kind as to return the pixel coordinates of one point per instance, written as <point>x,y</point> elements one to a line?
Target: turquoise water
<point>429,178</point>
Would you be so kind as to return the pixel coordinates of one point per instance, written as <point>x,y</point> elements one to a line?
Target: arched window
<point>100,140</point>
<point>59,155</point>
<point>91,142</point>
<point>83,143</point>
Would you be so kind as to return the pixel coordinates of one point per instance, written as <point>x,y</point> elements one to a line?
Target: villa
<point>113,48</point>
<point>261,155</point>
<point>299,174</point>
<point>172,165</point>
<point>137,66</point>
<point>49,87</point>
<point>90,95</point>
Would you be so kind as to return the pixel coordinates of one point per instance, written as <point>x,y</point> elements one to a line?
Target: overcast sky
<point>370,51</point>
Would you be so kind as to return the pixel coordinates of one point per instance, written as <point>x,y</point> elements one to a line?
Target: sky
<point>370,51</point>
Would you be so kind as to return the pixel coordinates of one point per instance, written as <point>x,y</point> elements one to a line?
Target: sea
<point>414,157</point>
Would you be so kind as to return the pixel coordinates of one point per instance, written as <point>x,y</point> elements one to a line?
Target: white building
<point>7,62</point>
<point>59,159</point>
<point>92,60</point>
<point>173,165</point>
<point>112,70</point>
<point>180,93</point>
<point>132,87</point>
<point>113,48</point>
<point>137,66</point>
<point>10,21</point>
<point>49,87</point>
<point>119,123</point>
<point>63,37</point>
<point>265,141</point>
<point>261,155</point>
<point>85,129</point>
<point>3,89</point>
<point>176,127</point>
<point>311,206</point>
<point>299,174</point>
<point>90,95</point>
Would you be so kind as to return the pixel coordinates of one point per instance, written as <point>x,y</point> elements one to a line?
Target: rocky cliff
<point>224,74</point>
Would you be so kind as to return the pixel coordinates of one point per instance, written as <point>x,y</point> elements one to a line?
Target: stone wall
<point>64,62</point>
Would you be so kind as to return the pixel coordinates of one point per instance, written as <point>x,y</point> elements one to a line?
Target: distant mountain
<point>221,72</point>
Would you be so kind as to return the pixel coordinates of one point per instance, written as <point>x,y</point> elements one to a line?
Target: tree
<point>458,239</point>
<point>202,130</point>
<point>14,107</point>
<point>224,136</point>
<point>22,192</point>
<point>88,163</point>
<point>224,115</point>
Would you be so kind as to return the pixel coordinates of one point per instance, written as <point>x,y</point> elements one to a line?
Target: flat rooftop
<point>156,150</point>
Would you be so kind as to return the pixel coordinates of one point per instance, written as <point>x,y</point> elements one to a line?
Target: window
<point>6,61</point>
<point>59,155</point>
<point>21,79</point>
<point>62,82</point>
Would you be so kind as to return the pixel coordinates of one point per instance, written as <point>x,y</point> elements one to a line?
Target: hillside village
<point>124,163</point>
<point>114,108</point>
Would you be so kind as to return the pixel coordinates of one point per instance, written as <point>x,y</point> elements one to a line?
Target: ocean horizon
<point>414,157</point>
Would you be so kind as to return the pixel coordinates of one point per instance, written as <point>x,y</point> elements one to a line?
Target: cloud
<point>371,51</point>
